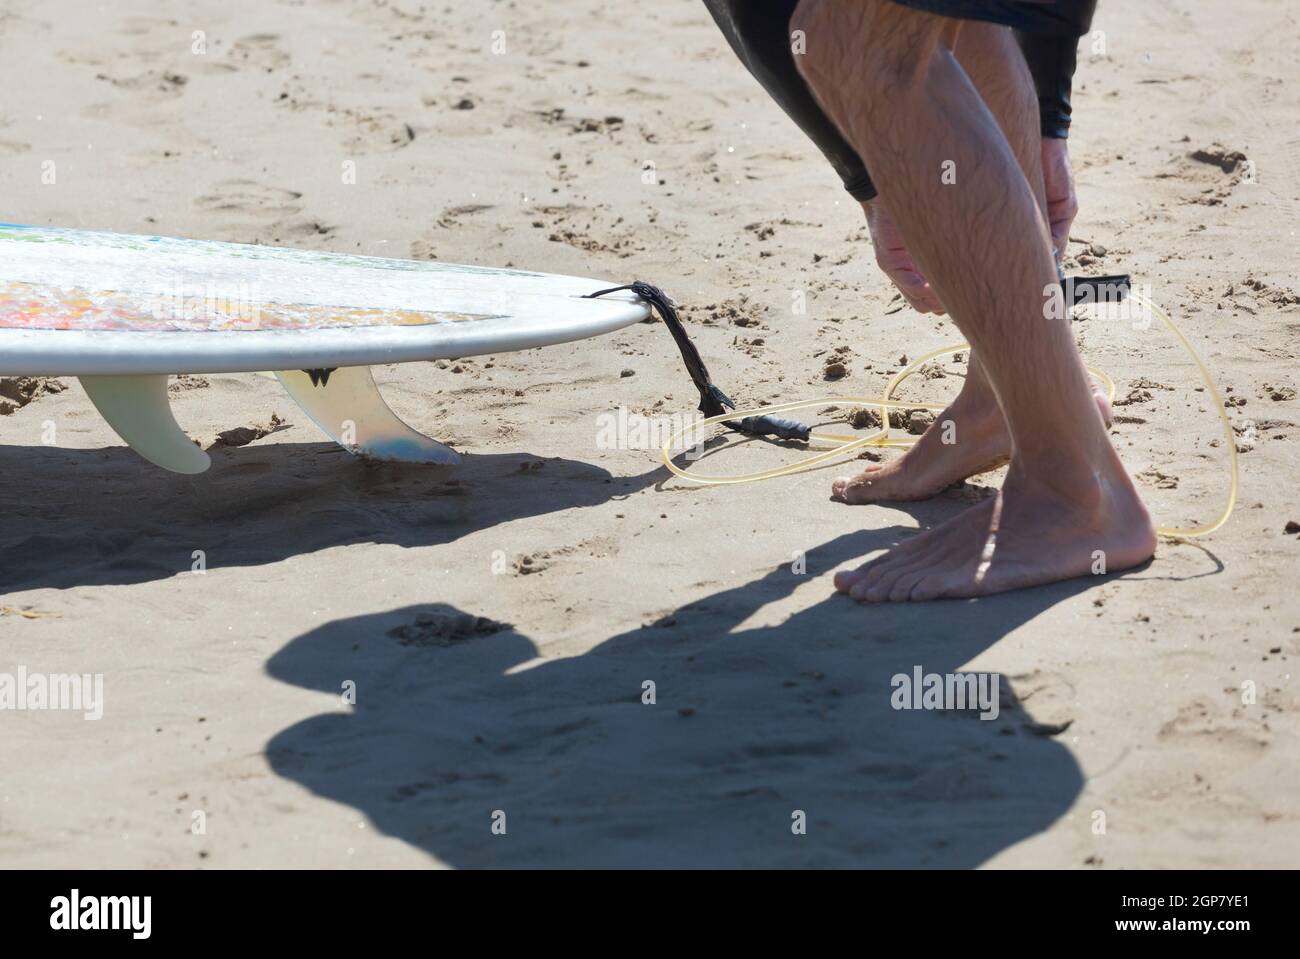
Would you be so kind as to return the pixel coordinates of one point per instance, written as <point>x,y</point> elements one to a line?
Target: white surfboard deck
<point>79,302</point>
<point>124,311</point>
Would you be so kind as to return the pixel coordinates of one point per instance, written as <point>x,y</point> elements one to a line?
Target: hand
<point>1062,202</point>
<point>892,257</point>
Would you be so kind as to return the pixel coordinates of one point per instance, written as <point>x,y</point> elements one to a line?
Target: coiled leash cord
<point>717,407</point>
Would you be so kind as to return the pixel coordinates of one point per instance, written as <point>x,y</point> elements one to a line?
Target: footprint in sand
<point>1202,722</point>
<point>261,50</point>
<point>250,199</point>
<point>1215,170</point>
<point>157,84</point>
<point>136,26</point>
<point>365,132</point>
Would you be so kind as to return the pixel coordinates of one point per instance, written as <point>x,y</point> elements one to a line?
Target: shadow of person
<point>456,721</point>
<point>92,517</point>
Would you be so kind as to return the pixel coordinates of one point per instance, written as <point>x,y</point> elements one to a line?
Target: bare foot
<point>967,438</point>
<point>1028,535</point>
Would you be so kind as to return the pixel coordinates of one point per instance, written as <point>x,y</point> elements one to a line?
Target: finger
<point>896,259</point>
<point>929,302</point>
<point>924,301</point>
<point>1060,239</point>
<point>1061,236</point>
<point>917,291</point>
<point>1060,214</point>
<point>903,274</point>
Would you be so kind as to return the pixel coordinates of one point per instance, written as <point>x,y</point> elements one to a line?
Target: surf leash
<point>713,402</point>
<point>718,408</point>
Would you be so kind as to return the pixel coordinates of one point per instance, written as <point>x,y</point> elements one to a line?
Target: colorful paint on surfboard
<point>29,306</point>
<point>77,302</point>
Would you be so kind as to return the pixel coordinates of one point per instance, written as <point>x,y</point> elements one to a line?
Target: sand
<point>495,624</point>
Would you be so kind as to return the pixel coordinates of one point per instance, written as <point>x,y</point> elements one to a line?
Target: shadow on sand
<point>100,517</point>
<point>751,724</point>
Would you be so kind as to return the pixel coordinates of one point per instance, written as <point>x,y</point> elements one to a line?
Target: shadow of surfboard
<point>100,517</point>
<point>106,517</point>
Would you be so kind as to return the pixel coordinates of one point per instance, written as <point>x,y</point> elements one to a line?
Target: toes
<point>906,568</point>
<point>1103,401</point>
<point>867,577</point>
<point>918,562</point>
<point>954,579</point>
<point>878,592</point>
<point>949,578</point>
<point>846,579</point>
<point>927,587</point>
<point>876,589</point>
<point>902,556</point>
<point>854,490</point>
<point>879,575</point>
<point>901,591</point>
<point>870,576</point>
<point>933,580</point>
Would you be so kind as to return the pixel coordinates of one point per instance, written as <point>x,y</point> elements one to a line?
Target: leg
<point>990,57</point>
<point>888,77</point>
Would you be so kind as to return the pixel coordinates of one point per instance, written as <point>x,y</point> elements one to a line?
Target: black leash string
<point>713,402</point>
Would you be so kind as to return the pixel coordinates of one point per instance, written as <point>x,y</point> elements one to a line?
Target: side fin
<point>139,411</point>
<point>347,406</point>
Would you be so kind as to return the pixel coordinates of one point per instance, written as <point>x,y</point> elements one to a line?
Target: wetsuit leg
<point>759,32</point>
<point>1047,31</point>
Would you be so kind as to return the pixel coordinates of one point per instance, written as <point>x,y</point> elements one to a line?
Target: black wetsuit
<point>1048,34</point>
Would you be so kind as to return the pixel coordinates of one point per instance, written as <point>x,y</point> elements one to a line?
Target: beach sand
<point>497,622</point>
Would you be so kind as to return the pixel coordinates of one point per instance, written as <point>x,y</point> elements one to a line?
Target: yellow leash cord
<point>844,445</point>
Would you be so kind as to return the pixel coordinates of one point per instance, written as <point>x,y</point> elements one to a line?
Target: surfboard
<point>122,312</point>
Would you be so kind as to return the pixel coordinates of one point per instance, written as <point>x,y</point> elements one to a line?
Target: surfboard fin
<point>138,410</point>
<point>347,406</point>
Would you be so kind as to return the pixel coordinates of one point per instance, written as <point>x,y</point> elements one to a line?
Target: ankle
<point>1072,484</point>
<point>976,411</point>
